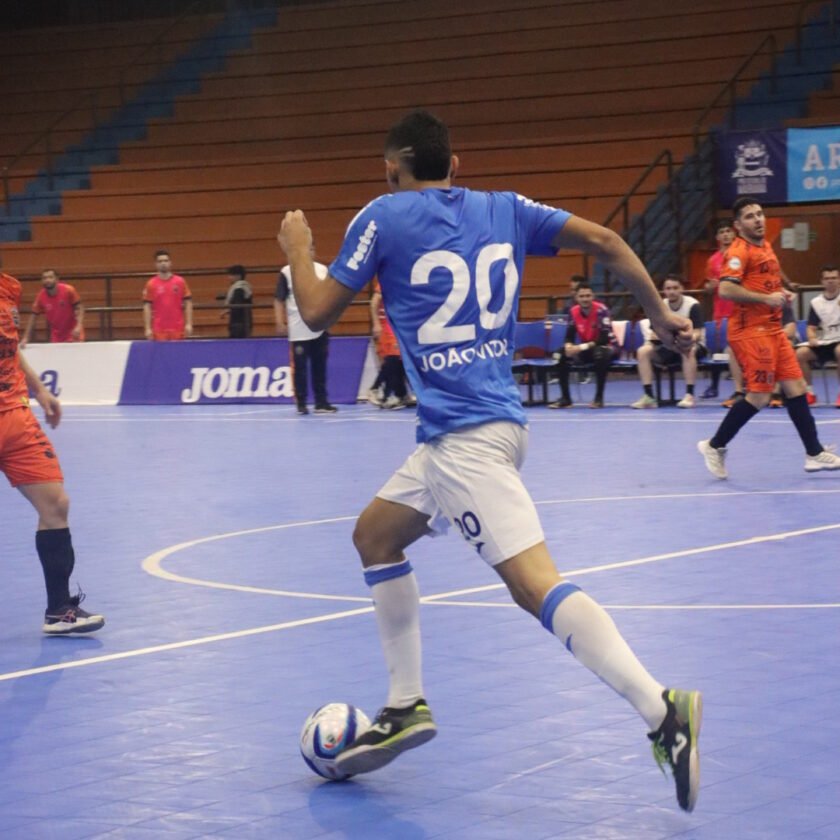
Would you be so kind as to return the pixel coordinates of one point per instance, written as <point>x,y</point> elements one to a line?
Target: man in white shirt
<point>308,349</point>
<point>823,328</point>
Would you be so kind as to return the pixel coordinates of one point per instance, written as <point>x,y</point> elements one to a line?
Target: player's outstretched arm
<point>50,404</point>
<point>320,302</point>
<point>614,253</point>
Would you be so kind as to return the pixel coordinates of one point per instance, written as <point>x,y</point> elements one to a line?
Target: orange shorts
<point>766,360</point>
<point>168,335</point>
<point>26,454</point>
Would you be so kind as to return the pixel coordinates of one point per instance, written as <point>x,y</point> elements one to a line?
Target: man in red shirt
<point>752,279</point>
<point>722,308</point>
<point>28,461</point>
<point>167,303</point>
<point>61,305</point>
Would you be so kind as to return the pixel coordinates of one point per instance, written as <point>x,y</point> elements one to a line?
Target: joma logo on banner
<point>231,383</point>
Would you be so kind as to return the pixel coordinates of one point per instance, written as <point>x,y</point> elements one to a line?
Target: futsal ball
<point>326,732</point>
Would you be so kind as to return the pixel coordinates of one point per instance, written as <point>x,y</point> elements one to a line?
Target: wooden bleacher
<point>567,103</point>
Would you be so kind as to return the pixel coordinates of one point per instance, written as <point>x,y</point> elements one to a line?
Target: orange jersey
<point>59,308</point>
<point>13,390</point>
<point>167,300</point>
<point>755,268</point>
<point>387,344</point>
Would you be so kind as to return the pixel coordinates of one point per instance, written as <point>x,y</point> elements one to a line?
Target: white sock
<point>396,599</point>
<point>593,639</point>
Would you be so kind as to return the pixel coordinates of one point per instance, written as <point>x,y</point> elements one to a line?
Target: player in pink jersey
<point>61,305</point>
<point>167,303</point>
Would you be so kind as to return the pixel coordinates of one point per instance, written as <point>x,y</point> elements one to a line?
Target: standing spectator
<point>61,305</point>
<point>167,303</point>
<point>653,352</point>
<point>28,461</point>
<point>823,330</point>
<point>752,277</point>
<point>590,340</point>
<point>722,308</point>
<point>391,377</point>
<point>308,348</point>
<point>239,301</point>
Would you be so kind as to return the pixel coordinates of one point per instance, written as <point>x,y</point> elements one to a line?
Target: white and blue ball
<point>326,732</point>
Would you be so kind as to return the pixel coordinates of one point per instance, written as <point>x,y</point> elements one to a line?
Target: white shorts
<point>471,478</point>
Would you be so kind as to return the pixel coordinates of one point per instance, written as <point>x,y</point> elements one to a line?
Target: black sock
<point>800,413</point>
<point>715,378</point>
<point>689,389</point>
<point>739,415</point>
<point>55,550</point>
<point>648,390</point>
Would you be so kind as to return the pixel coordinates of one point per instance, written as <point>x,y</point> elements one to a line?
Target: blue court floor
<point>217,542</point>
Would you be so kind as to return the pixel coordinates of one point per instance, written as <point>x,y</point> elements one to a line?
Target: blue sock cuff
<point>392,570</point>
<point>552,601</point>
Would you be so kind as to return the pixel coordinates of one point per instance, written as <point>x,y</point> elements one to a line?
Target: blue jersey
<point>449,262</point>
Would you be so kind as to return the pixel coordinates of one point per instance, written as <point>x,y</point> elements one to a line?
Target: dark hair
<point>828,268</point>
<point>579,279</point>
<point>676,278</point>
<point>49,269</point>
<point>721,224</point>
<point>742,202</point>
<point>161,253</point>
<point>421,141</point>
<point>584,285</point>
<point>238,270</point>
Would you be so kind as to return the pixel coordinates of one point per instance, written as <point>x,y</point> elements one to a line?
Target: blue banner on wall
<point>752,163</point>
<point>813,160</point>
<point>232,371</point>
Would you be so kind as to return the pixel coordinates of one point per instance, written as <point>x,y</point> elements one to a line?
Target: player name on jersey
<point>494,349</point>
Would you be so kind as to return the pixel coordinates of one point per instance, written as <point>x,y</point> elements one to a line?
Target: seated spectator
<point>62,307</point>
<point>575,282</point>
<point>652,352</point>
<point>823,330</point>
<point>239,300</point>
<point>590,340</point>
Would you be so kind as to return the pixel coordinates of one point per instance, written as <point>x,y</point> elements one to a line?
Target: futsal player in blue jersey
<point>449,261</point>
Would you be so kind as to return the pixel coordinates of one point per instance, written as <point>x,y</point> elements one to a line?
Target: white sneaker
<point>374,396</point>
<point>645,402</point>
<point>824,461</point>
<point>393,403</point>
<point>687,401</point>
<point>715,459</point>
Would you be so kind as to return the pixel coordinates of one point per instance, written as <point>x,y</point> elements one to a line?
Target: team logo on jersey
<point>363,246</point>
<point>735,263</point>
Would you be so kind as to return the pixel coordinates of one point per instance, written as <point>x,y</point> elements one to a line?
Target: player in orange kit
<point>751,277</point>
<point>29,463</point>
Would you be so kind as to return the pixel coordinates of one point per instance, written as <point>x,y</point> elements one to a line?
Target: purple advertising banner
<point>752,163</point>
<point>232,371</point>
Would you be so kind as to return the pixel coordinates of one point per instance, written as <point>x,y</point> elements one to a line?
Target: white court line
<point>429,599</point>
<point>653,607</point>
<point>152,564</point>
<point>688,552</point>
<point>204,640</point>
